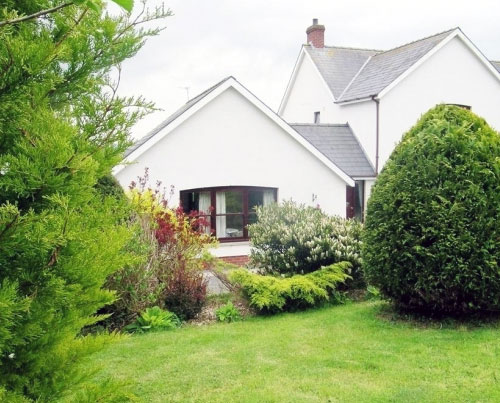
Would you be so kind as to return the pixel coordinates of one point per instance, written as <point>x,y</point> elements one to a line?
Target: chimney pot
<point>316,34</point>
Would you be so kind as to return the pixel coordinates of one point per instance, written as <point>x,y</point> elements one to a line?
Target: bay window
<point>227,210</point>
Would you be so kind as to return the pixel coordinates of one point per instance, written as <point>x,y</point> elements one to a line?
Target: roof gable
<point>206,97</point>
<point>339,144</point>
<point>172,117</point>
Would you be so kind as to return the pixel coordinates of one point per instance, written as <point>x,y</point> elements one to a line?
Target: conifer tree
<point>62,128</point>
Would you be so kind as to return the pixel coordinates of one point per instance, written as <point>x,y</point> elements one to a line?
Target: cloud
<point>258,41</point>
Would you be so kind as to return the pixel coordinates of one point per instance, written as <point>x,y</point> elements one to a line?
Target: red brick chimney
<point>316,34</point>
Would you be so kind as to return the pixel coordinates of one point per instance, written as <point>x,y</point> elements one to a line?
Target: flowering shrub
<point>170,246</point>
<point>271,294</point>
<point>177,233</point>
<point>289,239</point>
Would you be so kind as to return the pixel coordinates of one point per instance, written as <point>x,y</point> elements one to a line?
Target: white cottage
<point>225,152</point>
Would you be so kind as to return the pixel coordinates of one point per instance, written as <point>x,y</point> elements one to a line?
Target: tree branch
<point>9,225</point>
<point>35,15</point>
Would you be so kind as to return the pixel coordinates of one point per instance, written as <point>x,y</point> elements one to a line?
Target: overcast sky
<point>258,41</point>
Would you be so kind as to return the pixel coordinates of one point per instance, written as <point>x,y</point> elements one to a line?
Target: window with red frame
<point>228,210</point>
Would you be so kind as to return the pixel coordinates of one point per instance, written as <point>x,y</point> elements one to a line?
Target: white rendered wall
<point>362,117</point>
<point>453,75</point>
<point>229,142</point>
<point>309,94</point>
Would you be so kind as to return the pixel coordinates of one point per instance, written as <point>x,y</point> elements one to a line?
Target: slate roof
<point>355,74</point>
<point>497,65</point>
<point>172,117</point>
<point>339,144</point>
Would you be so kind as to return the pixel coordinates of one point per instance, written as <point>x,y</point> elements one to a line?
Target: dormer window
<point>316,118</point>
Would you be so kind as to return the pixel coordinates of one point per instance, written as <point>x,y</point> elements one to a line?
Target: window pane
<point>196,201</point>
<point>233,201</point>
<point>255,198</point>
<point>233,227</point>
<point>189,201</point>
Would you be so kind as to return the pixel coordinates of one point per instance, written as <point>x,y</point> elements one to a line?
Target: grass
<point>343,353</point>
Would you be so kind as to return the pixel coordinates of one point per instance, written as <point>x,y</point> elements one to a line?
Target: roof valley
<point>355,76</point>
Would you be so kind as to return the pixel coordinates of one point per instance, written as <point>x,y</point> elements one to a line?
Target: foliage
<point>273,294</point>
<point>109,390</point>
<point>173,249</point>
<point>154,319</point>
<point>228,313</point>
<point>289,239</point>
<point>109,186</point>
<point>185,292</point>
<point>136,284</point>
<point>178,234</point>
<point>13,16</point>
<point>11,397</point>
<point>433,220</point>
<point>63,127</point>
<point>372,293</point>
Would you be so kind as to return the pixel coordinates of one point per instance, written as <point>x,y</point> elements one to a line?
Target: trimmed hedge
<point>432,231</point>
<point>269,294</point>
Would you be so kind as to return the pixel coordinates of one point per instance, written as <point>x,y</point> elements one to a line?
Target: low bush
<point>432,231</point>
<point>228,313</point>
<point>185,292</point>
<point>293,239</point>
<point>154,319</point>
<point>136,284</point>
<point>270,294</point>
<point>171,250</point>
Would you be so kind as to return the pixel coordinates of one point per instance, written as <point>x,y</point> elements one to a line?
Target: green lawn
<point>343,353</point>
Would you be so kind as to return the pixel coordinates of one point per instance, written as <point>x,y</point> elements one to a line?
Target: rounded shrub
<point>432,232</point>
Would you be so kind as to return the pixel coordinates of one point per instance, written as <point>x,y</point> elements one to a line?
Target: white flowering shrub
<point>293,239</point>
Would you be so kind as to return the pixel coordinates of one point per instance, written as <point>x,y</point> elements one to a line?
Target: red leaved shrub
<point>185,292</point>
<point>170,246</point>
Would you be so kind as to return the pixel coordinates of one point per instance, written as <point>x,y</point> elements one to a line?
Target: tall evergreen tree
<point>62,128</point>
